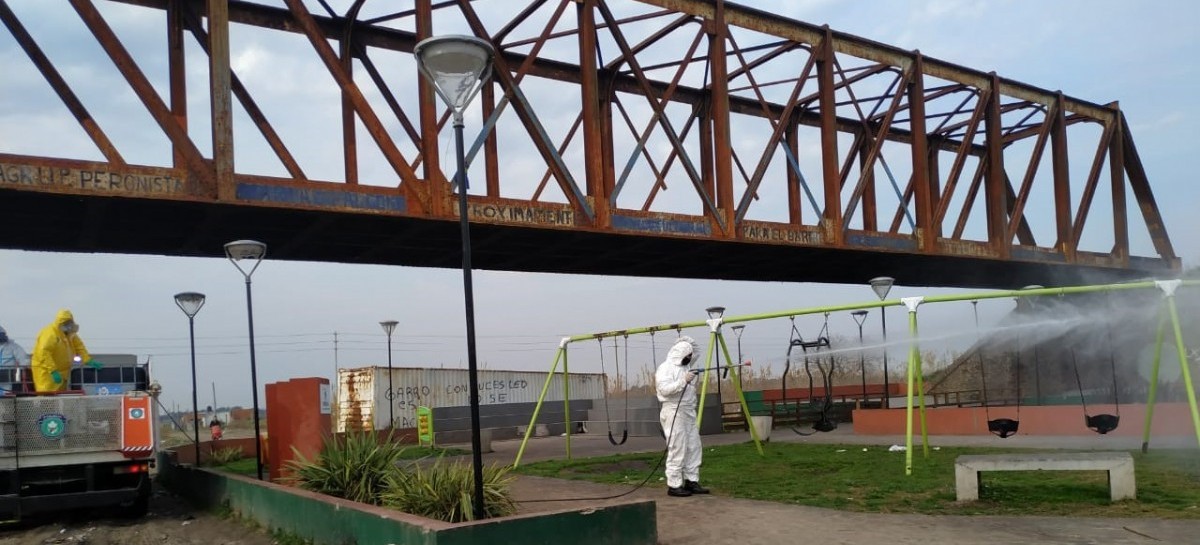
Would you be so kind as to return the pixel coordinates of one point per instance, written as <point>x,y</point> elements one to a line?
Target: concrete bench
<point>1119,466</point>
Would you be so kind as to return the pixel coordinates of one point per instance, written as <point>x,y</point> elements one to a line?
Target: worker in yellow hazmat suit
<point>57,346</point>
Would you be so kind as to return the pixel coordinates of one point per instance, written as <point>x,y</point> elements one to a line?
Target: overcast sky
<point>1143,55</point>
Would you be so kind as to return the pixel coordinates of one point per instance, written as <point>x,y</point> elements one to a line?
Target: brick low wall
<point>1170,419</point>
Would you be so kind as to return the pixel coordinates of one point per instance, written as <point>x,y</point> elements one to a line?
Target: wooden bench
<point>1119,465</point>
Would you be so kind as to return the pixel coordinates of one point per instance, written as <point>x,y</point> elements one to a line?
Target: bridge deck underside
<point>65,223</point>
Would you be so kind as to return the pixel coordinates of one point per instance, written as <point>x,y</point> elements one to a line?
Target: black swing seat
<point>624,437</point>
<point>825,424</point>
<point>1003,427</point>
<point>1102,423</point>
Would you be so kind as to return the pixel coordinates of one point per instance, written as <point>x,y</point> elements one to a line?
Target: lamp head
<point>715,312</point>
<point>882,285</point>
<point>860,316</point>
<point>189,302</point>
<point>456,65</point>
<point>737,329</point>
<point>389,326</point>
<point>252,250</point>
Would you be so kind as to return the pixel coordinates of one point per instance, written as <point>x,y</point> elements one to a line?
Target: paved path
<point>724,520</point>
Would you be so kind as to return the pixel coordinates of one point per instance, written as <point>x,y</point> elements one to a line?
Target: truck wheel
<point>139,506</point>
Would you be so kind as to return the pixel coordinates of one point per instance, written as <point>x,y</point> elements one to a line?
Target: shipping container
<point>363,393</point>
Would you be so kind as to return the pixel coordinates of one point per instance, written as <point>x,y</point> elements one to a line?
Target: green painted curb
<point>326,520</point>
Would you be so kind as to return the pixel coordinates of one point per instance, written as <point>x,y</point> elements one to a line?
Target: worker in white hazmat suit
<point>676,384</point>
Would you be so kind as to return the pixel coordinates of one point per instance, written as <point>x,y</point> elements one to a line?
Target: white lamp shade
<point>456,65</point>
<point>882,285</point>
<point>389,326</point>
<point>715,312</point>
<point>245,249</point>
<point>189,302</point>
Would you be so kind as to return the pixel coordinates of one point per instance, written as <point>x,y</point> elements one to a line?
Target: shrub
<point>443,490</point>
<point>354,467</point>
<point>225,455</point>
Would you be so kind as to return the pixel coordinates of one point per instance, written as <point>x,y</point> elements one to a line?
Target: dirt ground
<point>170,522</point>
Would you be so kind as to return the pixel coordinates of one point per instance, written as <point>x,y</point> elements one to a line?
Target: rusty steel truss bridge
<point>681,138</point>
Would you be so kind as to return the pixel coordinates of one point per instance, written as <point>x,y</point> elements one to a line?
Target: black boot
<point>694,487</point>
<point>681,492</point>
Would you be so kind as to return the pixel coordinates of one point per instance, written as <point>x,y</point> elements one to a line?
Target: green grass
<point>847,477</point>
<point>243,466</point>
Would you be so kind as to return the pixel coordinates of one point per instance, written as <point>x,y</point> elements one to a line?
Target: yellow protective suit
<point>55,350</point>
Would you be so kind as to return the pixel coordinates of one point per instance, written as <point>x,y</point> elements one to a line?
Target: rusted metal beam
<point>220,97</point>
<point>593,167</point>
<point>427,101</point>
<point>177,71</point>
<point>1140,185</point>
<point>1031,168</point>
<point>1089,190</point>
<point>795,215</point>
<point>1116,170</point>
<point>193,24</point>
<point>60,86</point>
<point>1062,181</point>
<point>832,215</point>
<point>718,38</point>
<point>995,180</point>
<point>923,184</point>
<point>145,91</point>
<point>408,178</point>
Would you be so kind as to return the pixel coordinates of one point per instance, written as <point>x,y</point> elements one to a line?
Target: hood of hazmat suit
<point>671,376</point>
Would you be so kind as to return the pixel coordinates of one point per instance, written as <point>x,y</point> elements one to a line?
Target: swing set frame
<point>915,381</point>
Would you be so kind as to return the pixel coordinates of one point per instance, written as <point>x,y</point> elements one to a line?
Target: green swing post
<point>737,386</point>
<point>567,402</point>
<point>712,343</point>
<point>558,355</point>
<point>1158,339</point>
<point>914,380</point>
<point>1183,363</point>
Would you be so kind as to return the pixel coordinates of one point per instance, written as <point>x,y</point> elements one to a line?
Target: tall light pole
<point>860,316</point>
<point>190,302</point>
<point>388,327</point>
<point>881,285</point>
<point>238,251</point>
<point>458,66</point>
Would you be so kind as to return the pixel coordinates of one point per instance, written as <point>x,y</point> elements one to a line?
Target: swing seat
<point>1003,427</point>
<point>1102,423</point>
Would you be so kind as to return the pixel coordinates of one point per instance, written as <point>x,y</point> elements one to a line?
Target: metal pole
<point>195,404</point>
<point>391,391</point>
<point>887,391</point>
<point>862,364</point>
<point>254,384</point>
<point>469,303</point>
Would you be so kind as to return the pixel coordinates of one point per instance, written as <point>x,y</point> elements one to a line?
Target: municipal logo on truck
<point>137,413</point>
<point>52,425</point>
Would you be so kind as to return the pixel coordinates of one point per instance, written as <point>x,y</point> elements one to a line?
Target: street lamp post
<point>255,251</point>
<point>881,285</point>
<point>860,316</point>
<point>388,327</point>
<point>190,302</point>
<point>457,67</point>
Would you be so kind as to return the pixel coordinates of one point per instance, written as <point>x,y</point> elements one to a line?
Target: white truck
<point>91,446</point>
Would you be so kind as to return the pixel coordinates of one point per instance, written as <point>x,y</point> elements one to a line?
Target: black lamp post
<point>388,327</point>
<point>860,316</point>
<point>190,302</point>
<point>253,251</point>
<point>881,285</point>
<point>458,66</point>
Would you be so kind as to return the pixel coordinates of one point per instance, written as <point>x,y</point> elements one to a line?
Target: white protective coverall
<point>11,353</point>
<point>678,413</point>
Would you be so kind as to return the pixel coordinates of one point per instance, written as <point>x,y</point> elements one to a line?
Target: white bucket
<point>762,427</point>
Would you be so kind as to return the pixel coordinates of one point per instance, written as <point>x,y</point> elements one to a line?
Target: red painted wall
<point>296,422</point>
<point>1169,419</point>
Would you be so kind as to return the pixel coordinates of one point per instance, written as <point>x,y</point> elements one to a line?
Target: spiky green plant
<point>442,490</point>
<point>354,466</point>
<point>225,455</point>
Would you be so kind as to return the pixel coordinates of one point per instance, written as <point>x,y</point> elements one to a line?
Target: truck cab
<point>91,445</point>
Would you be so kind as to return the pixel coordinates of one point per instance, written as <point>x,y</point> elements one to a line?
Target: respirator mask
<point>70,328</point>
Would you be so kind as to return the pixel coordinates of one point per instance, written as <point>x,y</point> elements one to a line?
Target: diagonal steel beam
<point>145,91</point>
<point>60,86</point>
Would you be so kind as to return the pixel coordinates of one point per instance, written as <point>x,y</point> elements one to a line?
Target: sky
<point>1140,55</point>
